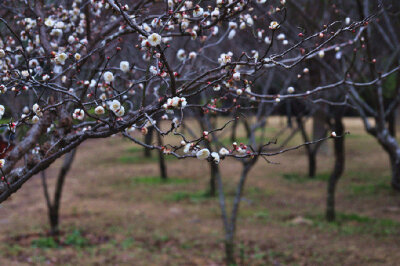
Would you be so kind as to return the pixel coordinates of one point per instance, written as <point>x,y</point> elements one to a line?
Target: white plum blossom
<point>59,25</point>
<point>33,63</point>
<point>3,89</point>
<point>35,119</point>
<point>108,76</point>
<point>146,27</point>
<point>217,87</point>
<point>249,20</point>
<point>60,58</point>
<point>49,22</point>
<point>71,39</point>
<point>35,108</point>
<point>131,129</point>
<point>25,73</point>
<point>231,34</point>
<point>192,55</point>
<point>281,36</point>
<point>233,25</point>
<point>175,102</point>
<point>120,112</point>
<point>236,76</point>
<point>124,66</point>
<point>203,154</point>
<point>187,148</point>
<point>215,13</point>
<point>2,110</point>
<point>153,70</point>
<point>25,110</point>
<point>290,90</point>
<point>225,58</point>
<point>181,54</point>
<point>156,22</point>
<point>56,32</point>
<point>273,25</point>
<point>99,110</point>
<point>223,152</point>
<point>154,39</point>
<point>321,54</point>
<point>115,105</point>
<point>215,157</point>
<point>78,114</point>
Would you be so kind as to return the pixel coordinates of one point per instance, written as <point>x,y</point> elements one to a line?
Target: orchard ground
<point>115,210</point>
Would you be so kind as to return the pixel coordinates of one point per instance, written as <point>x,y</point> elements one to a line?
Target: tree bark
<point>233,132</point>
<point>390,145</point>
<point>339,150</point>
<point>395,164</point>
<point>310,149</point>
<point>230,252</point>
<point>392,123</point>
<point>214,172</point>
<point>161,159</point>
<point>231,228</point>
<point>312,163</point>
<point>147,139</point>
<point>319,132</point>
<point>54,208</point>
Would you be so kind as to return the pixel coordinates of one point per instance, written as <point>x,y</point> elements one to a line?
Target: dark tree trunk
<point>233,132</point>
<point>319,132</point>
<point>230,231</point>
<point>147,139</point>
<point>247,128</point>
<point>230,253</point>
<point>214,169</point>
<point>161,159</point>
<point>310,149</point>
<point>339,149</point>
<point>312,163</point>
<point>395,164</point>
<point>289,113</point>
<point>392,123</point>
<point>53,218</point>
<point>390,145</point>
<point>214,172</point>
<point>54,208</point>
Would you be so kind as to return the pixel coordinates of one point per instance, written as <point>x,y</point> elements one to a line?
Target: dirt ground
<point>115,211</point>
